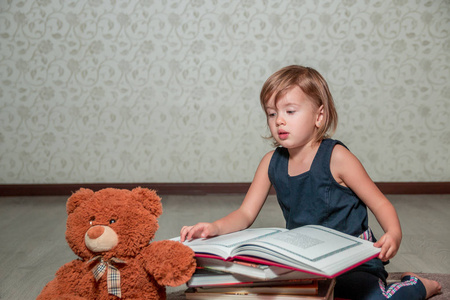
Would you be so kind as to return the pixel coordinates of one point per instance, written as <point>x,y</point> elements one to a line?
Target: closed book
<point>325,292</point>
<point>302,288</point>
<point>210,278</point>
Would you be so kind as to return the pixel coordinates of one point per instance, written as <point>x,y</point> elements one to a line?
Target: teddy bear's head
<point>112,222</point>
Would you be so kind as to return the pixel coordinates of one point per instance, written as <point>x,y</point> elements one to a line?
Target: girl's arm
<point>348,171</point>
<point>244,216</point>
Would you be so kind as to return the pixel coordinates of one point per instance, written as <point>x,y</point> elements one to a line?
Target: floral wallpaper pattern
<point>168,91</point>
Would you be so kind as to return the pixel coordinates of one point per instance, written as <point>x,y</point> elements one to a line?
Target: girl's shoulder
<point>341,156</point>
<point>340,151</point>
<point>268,155</point>
<point>343,162</point>
<point>276,153</point>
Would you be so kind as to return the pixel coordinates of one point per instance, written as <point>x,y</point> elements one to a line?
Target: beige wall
<point>168,91</point>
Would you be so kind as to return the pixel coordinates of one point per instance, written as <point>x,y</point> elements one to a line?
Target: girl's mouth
<point>283,134</point>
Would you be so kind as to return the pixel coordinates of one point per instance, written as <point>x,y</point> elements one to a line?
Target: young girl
<point>319,181</point>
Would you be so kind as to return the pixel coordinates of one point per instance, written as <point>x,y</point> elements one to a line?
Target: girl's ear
<point>319,117</point>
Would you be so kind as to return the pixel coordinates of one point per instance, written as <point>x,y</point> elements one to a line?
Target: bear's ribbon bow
<point>113,276</point>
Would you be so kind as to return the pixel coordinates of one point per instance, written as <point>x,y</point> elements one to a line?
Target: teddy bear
<point>111,232</point>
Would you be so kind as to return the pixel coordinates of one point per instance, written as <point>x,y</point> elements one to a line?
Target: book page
<point>313,248</point>
<point>313,244</point>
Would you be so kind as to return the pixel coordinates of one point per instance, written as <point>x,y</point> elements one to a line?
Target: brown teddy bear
<point>110,230</point>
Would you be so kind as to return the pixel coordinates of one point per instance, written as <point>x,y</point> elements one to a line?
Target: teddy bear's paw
<point>171,263</point>
<point>176,278</point>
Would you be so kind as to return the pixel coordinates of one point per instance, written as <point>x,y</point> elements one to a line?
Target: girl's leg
<point>432,287</point>
<point>357,285</point>
<point>365,286</point>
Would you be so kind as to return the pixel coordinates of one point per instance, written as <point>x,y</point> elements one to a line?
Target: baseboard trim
<point>14,190</point>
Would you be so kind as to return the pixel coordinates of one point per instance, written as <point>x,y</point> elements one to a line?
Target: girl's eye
<point>290,112</point>
<point>112,221</point>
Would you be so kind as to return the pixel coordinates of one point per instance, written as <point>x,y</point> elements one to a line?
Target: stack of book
<point>218,279</point>
<point>274,263</point>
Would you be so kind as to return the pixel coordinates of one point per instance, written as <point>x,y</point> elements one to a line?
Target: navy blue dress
<point>314,197</point>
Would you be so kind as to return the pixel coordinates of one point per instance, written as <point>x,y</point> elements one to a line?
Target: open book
<point>312,249</point>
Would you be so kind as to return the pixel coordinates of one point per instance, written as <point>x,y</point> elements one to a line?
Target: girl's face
<point>294,119</point>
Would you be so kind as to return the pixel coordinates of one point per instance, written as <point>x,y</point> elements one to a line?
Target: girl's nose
<point>280,121</point>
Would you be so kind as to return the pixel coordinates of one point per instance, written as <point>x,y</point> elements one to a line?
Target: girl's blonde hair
<point>312,84</point>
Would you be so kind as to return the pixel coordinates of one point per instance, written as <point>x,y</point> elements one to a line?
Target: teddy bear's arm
<point>68,282</point>
<point>171,263</point>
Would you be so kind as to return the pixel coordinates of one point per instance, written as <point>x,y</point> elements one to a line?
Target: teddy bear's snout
<point>101,238</point>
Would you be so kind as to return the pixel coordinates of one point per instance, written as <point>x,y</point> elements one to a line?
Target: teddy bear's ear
<point>77,198</point>
<point>149,199</point>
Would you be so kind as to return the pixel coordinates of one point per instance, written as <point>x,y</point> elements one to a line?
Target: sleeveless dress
<point>314,197</point>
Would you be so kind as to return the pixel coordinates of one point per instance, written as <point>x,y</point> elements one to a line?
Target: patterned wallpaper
<point>168,91</point>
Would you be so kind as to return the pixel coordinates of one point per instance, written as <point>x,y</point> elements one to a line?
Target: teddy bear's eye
<point>91,220</point>
<point>112,221</point>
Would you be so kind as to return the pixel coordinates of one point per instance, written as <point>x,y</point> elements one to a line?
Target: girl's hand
<point>200,230</point>
<point>389,245</point>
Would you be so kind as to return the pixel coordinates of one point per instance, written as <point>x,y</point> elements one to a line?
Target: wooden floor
<point>33,246</point>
